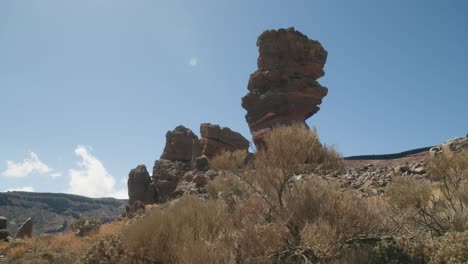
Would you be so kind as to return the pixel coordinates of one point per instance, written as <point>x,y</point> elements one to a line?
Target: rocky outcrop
<point>3,222</point>
<point>4,235</point>
<point>166,175</point>
<point>179,144</point>
<point>283,90</point>
<point>140,187</point>
<point>183,153</point>
<point>25,230</point>
<point>215,139</point>
<point>454,145</point>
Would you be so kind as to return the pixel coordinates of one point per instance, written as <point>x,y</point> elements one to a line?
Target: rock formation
<point>140,187</point>
<point>183,153</point>
<point>179,144</point>
<point>25,230</point>
<point>283,89</point>
<point>4,235</point>
<point>3,222</point>
<point>215,139</point>
<point>166,175</point>
<point>454,145</point>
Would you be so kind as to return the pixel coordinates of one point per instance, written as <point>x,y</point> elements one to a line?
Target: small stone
<point>419,170</point>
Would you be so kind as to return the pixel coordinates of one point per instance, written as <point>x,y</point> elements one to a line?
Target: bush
<point>229,160</point>
<point>286,148</point>
<point>450,248</point>
<point>190,231</point>
<point>437,207</point>
<point>105,251</point>
<point>229,187</point>
<point>85,226</point>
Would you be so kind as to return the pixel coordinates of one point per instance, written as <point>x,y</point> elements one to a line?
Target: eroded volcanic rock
<point>283,90</point>
<point>179,144</point>
<point>166,175</point>
<point>215,139</point>
<point>140,187</point>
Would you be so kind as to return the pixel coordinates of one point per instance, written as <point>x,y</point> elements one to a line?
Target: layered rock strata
<point>283,90</point>
<point>215,139</point>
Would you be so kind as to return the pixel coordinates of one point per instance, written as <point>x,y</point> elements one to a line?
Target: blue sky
<point>89,88</point>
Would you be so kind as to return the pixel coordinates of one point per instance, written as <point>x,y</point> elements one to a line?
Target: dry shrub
<point>229,187</point>
<point>105,251</point>
<point>67,242</point>
<point>85,226</point>
<point>110,230</point>
<point>450,248</point>
<point>329,218</point>
<point>437,207</point>
<point>190,231</point>
<point>408,192</point>
<point>16,252</point>
<point>286,147</point>
<point>229,160</point>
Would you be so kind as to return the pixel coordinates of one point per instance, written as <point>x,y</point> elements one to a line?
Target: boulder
<point>179,144</point>
<point>140,187</point>
<point>3,222</point>
<point>215,139</point>
<point>283,90</point>
<point>25,230</point>
<point>4,235</point>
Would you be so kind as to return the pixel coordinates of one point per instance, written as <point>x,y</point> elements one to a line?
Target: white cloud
<point>29,165</point>
<point>91,177</point>
<point>20,189</point>
<point>56,174</point>
<point>193,61</point>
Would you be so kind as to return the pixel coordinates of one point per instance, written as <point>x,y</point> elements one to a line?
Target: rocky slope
<point>53,212</point>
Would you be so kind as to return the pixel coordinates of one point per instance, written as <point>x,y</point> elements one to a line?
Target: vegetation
<point>85,226</point>
<point>258,211</point>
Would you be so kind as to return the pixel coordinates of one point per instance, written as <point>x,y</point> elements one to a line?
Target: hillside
<point>53,212</point>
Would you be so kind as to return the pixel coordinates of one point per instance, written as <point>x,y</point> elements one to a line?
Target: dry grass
<point>17,251</point>
<point>229,160</point>
<point>62,248</point>
<point>191,231</point>
<point>437,207</point>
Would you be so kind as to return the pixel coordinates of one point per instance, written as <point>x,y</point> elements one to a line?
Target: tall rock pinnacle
<point>283,90</point>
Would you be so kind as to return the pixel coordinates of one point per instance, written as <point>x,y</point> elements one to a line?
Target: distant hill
<point>54,212</point>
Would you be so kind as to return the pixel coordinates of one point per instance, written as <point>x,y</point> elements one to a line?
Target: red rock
<point>283,90</point>
<point>215,139</point>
